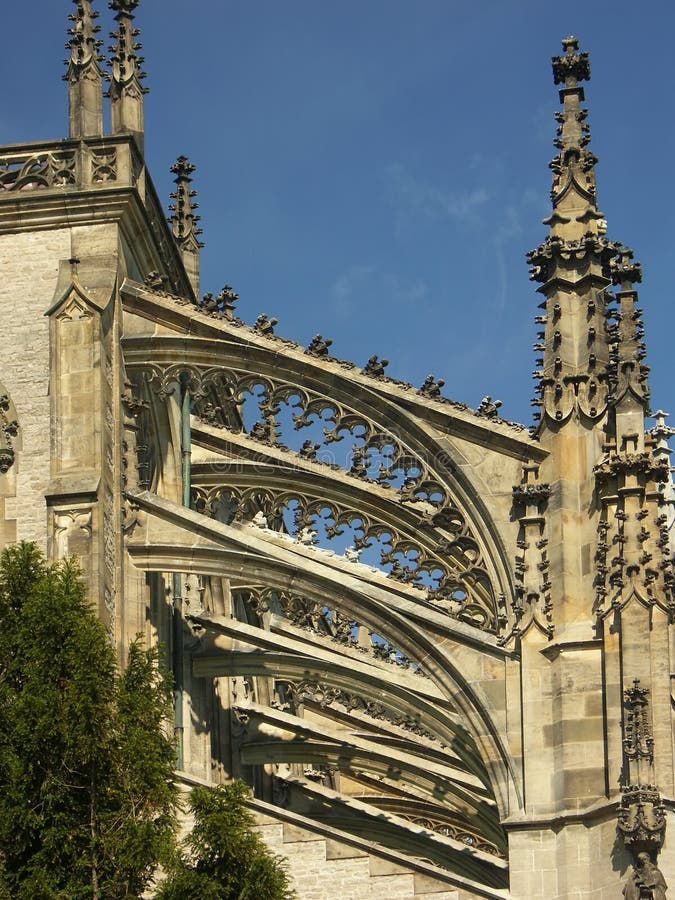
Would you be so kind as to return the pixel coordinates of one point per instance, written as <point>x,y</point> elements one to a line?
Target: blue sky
<point>375,171</point>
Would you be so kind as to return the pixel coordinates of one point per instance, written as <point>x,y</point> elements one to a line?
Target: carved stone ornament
<point>642,819</point>
<point>431,387</point>
<point>221,306</point>
<point>573,66</point>
<point>526,494</point>
<point>642,816</point>
<point>34,171</point>
<point>9,429</point>
<point>638,741</point>
<point>264,324</point>
<point>104,165</point>
<point>633,464</point>
<point>544,258</point>
<point>375,367</point>
<point>319,346</point>
<point>488,408</point>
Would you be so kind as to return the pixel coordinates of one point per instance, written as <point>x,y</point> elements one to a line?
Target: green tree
<point>86,771</point>
<point>223,858</point>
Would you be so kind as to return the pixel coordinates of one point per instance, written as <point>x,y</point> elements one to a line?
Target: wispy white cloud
<point>414,197</point>
<point>349,287</point>
<point>509,225</point>
<point>361,284</point>
<point>405,292</point>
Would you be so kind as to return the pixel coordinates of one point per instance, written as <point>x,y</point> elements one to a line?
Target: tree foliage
<point>86,788</point>
<point>223,858</point>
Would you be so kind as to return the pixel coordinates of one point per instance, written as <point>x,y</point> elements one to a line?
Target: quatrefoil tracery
<point>271,411</point>
<point>448,566</point>
<point>450,570</point>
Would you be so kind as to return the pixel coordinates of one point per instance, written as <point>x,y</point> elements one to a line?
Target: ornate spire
<point>183,219</point>
<point>573,265</point>
<point>85,104</point>
<point>126,91</point>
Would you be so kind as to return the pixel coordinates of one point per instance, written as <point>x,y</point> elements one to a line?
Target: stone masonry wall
<point>28,274</point>
<point>328,868</point>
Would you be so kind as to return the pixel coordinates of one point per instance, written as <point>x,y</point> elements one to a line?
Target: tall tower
<point>594,634</point>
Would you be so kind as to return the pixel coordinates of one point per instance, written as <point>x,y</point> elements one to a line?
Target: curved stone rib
<point>457,418</point>
<point>428,772</point>
<point>429,816</point>
<point>272,736</point>
<point>200,358</point>
<point>261,559</point>
<point>261,550</point>
<point>227,444</point>
<point>285,639</point>
<point>456,850</point>
<point>452,551</point>
<point>286,659</point>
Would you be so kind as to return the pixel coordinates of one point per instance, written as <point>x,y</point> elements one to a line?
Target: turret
<point>184,221</point>
<point>126,91</point>
<point>629,391</point>
<point>84,77</point>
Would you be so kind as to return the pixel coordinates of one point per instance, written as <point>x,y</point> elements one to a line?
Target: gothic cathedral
<point>443,660</point>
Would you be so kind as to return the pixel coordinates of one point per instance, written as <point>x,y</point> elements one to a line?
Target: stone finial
<point>83,43</point>
<point>625,270</point>
<point>574,344</point>
<point>221,306</point>
<point>84,77</point>
<point>572,66</point>
<point>661,432</point>
<point>126,91</point>
<point>184,221</point>
<point>227,301</point>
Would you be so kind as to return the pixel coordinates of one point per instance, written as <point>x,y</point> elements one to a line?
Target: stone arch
<point>205,360</point>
